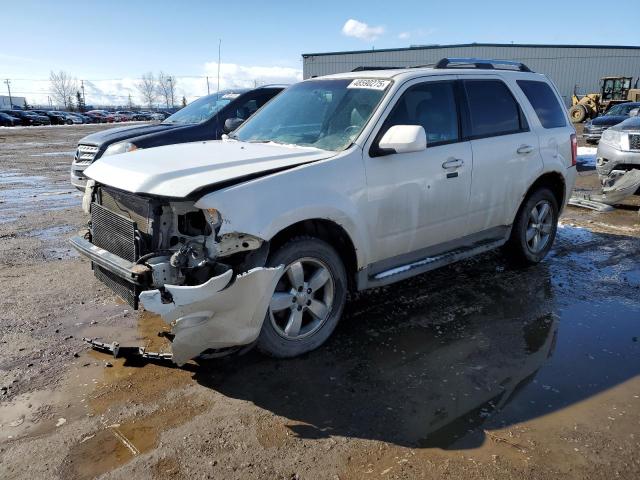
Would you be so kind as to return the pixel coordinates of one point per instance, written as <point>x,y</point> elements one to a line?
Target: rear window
<point>492,109</point>
<point>544,102</point>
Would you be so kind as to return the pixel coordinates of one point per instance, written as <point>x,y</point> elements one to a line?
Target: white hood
<point>178,170</point>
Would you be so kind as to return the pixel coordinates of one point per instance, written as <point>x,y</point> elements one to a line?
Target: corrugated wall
<point>566,66</point>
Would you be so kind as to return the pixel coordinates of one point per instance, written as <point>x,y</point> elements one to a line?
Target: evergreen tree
<point>80,102</point>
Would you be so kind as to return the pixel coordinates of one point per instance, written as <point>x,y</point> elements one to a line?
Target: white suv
<point>340,183</point>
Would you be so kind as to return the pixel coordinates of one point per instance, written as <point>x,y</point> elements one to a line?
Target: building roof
<point>461,45</point>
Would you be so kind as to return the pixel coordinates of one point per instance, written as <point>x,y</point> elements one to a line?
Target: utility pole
<point>219,46</point>
<point>208,91</point>
<point>169,81</point>
<point>8,82</point>
<point>82,87</point>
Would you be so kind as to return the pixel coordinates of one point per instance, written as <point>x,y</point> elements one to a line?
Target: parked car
<point>55,117</point>
<point>97,117</point>
<point>8,121</point>
<point>28,118</point>
<point>142,116</point>
<point>618,113</point>
<point>126,115</point>
<point>72,118</point>
<point>201,120</point>
<point>619,150</point>
<point>345,182</point>
<point>83,118</point>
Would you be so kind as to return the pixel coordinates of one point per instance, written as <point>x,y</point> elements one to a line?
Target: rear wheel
<point>534,229</point>
<point>308,300</point>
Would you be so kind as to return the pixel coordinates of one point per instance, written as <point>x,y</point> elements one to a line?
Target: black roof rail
<point>366,69</point>
<point>482,63</point>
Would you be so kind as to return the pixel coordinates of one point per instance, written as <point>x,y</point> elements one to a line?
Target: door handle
<point>453,163</point>
<point>524,149</point>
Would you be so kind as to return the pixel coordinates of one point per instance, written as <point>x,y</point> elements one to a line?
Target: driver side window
<point>431,105</point>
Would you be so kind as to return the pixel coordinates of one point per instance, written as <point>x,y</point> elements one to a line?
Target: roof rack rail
<point>482,63</point>
<point>366,69</point>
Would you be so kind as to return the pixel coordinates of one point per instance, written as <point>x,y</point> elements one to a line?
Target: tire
<point>592,142</point>
<point>578,113</point>
<point>522,247</point>
<point>282,335</point>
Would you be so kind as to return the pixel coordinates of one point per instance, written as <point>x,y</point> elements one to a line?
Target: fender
<point>332,189</point>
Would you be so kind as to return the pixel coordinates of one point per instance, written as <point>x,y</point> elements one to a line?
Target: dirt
<point>477,370</point>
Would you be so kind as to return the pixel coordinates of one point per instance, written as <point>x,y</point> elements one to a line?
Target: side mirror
<point>230,124</point>
<point>634,112</point>
<point>403,139</point>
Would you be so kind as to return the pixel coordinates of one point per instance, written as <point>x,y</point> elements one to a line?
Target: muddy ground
<point>474,371</point>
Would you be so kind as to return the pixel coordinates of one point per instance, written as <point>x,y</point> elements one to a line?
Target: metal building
<point>569,66</point>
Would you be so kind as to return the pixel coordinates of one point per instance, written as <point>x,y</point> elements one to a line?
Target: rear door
<point>505,153</point>
<point>420,199</point>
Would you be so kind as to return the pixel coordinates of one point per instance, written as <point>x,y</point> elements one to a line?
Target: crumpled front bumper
<point>222,312</point>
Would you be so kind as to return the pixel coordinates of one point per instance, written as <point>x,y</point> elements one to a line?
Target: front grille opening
<point>132,207</point>
<point>113,233</point>
<point>125,290</point>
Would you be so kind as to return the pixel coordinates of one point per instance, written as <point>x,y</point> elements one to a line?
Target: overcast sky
<point>112,43</point>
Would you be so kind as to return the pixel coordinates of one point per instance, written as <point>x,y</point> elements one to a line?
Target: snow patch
<point>573,233</point>
<point>587,156</point>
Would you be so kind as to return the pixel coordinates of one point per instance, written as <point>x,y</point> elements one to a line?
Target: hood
<point>179,170</point>
<point>113,135</point>
<point>605,120</point>
<point>630,124</point>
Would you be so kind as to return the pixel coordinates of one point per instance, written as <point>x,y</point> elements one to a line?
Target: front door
<point>420,199</point>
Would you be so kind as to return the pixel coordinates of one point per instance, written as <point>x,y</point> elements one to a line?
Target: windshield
<point>622,109</point>
<point>326,114</point>
<point>202,109</point>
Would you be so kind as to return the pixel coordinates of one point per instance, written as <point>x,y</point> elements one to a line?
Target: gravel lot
<point>473,371</point>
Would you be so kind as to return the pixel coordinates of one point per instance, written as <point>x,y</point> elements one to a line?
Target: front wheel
<point>308,300</point>
<point>534,228</point>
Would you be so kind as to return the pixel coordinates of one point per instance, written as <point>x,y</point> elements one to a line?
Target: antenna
<point>219,47</point>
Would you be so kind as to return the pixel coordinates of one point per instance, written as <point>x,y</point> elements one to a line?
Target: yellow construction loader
<point>613,90</point>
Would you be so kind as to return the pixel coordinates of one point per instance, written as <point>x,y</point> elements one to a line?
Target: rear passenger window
<point>544,102</point>
<point>432,105</point>
<point>492,109</point>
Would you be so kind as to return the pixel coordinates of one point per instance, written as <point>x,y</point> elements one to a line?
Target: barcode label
<point>370,83</point>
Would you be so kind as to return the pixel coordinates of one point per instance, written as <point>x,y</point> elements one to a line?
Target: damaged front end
<point>213,290</point>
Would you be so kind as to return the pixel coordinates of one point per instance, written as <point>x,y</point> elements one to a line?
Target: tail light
<point>574,150</point>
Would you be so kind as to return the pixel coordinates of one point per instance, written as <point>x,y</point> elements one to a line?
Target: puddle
<point>117,444</point>
<point>439,361</point>
<point>23,194</point>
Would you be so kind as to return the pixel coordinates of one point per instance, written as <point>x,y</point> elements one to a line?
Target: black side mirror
<point>231,124</point>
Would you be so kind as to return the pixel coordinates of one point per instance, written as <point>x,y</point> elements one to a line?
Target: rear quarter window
<point>544,102</point>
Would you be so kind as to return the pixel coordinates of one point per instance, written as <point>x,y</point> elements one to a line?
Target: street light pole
<point>8,82</point>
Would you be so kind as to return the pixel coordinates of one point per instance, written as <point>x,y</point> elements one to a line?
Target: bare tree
<point>63,87</point>
<point>167,88</point>
<point>148,89</point>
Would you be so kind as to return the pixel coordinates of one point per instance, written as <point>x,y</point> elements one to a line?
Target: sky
<point>111,44</point>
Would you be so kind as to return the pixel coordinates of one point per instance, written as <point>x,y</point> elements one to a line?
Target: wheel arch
<point>328,231</point>
<point>555,182</point>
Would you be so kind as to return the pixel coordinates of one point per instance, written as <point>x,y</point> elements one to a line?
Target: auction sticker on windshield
<point>370,83</point>
<point>230,96</point>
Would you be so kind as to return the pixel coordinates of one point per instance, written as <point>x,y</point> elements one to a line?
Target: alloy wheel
<point>303,299</point>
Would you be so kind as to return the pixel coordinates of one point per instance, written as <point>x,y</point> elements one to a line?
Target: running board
<point>431,263</point>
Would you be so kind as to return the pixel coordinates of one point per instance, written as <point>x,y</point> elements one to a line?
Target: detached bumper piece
<point>126,352</point>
